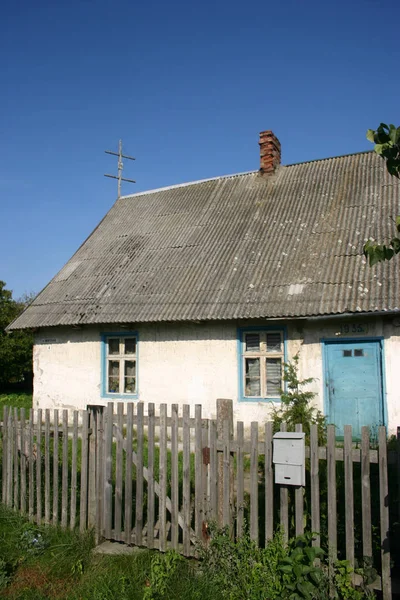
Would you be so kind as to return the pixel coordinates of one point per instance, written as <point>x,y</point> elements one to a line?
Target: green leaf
<point>393,134</point>
<point>371,135</point>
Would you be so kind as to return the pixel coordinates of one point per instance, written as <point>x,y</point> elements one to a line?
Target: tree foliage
<point>16,346</point>
<point>296,404</point>
<point>386,140</point>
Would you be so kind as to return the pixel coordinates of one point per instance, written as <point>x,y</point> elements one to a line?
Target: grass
<point>21,400</point>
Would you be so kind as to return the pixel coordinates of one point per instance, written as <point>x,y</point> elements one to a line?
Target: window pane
<point>252,367</point>
<point>130,385</point>
<point>252,342</point>
<point>347,353</point>
<point>358,352</point>
<point>113,346</point>
<point>113,385</point>
<point>274,376</point>
<point>253,387</point>
<point>130,368</point>
<point>130,346</point>
<point>274,342</point>
<point>113,368</point>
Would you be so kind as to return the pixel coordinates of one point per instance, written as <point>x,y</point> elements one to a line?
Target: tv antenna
<point>120,167</point>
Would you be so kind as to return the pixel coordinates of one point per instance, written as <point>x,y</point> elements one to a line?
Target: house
<point>202,290</point>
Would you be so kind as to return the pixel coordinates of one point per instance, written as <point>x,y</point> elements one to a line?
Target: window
<point>119,365</point>
<point>262,356</point>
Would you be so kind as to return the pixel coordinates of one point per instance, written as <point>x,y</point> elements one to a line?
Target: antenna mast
<point>120,167</point>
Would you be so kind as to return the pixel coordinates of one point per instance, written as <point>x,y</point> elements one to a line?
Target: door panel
<point>354,385</point>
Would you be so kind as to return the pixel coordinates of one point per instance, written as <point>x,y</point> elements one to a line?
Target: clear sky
<point>187,86</point>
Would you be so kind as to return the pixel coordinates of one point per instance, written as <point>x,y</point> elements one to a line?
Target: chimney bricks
<point>270,152</point>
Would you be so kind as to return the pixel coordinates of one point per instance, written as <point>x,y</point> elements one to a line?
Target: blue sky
<point>187,86</point>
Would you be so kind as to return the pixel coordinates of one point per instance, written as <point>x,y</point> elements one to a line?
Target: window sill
<point>121,397</point>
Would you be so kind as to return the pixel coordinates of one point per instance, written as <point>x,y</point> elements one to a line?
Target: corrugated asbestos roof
<point>242,246</point>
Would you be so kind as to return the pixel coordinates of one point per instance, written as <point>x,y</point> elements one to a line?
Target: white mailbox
<point>289,458</point>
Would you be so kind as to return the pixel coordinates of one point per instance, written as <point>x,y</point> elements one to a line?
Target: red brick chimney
<point>270,152</point>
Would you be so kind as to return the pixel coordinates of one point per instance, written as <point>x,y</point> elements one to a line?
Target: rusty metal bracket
<point>206,455</point>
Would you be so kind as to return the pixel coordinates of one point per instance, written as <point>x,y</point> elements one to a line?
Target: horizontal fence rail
<point>159,479</point>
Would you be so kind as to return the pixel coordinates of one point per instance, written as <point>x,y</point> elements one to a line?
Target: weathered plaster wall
<point>190,363</point>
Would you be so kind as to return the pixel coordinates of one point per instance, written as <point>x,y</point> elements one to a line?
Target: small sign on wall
<point>353,328</point>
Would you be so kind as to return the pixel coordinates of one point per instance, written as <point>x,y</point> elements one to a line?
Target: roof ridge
<point>244,173</point>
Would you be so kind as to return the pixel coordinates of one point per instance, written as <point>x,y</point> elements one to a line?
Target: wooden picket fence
<point>158,480</point>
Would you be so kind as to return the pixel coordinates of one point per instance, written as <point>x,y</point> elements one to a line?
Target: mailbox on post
<point>289,458</point>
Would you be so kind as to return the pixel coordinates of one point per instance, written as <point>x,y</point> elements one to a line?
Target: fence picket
<point>284,493</point>
<point>314,477</point>
<point>298,498</point>
<point>10,458</point>
<point>31,483</point>
<point>118,473</point>
<point>83,506</point>
<point>269,484</point>
<point>198,471</point>
<point>16,459</point>
<point>108,442</point>
<point>366,495</point>
<point>74,469</point>
<point>254,481</point>
<point>23,461</point>
<point>174,478</point>
<point>128,473</point>
<point>47,483</point>
<point>39,467</point>
<point>349,495</point>
<point>64,472</point>
<point>240,478</point>
<point>384,514</point>
<point>4,474</point>
<point>139,476</point>
<point>55,467</point>
<point>226,509</point>
<point>332,502</point>
<point>150,476</point>
<point>186,480</point>
<point>163,478</point>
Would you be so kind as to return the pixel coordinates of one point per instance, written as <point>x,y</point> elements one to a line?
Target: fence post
<point>224,413</point>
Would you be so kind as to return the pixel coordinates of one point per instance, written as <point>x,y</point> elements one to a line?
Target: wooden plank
<point>298,500</point>
<point>84,471</point>
<point>92,469</point>
<point>5,436</point>
<point>284,509</point>
<point>128,474</point>
<point>349,495</point>
<point>332,500</point>
<point>384,514</point>
<point>39,467</point>
<point>150,475</point>
<point>213,508</point>
<point>31,474</point>
<point>366,496</point>
<point>118,473</point>
<point>47,499</point>
<point>198,473</point>
<point>163,478</point>
<point>64,481</point>
<point>23,462</point>
<point>100,420</point>
<point>269,483</point>
<point>10,458</point>
<point>186,480</point>
<point>55,467</point>
<point>108,490</point>
<point>254,481</point>
<point>204,476</point>
<point>74,469</point>
<point>16,459</point>
<point>240,478</point>
<point>398,472</point>
<point>139,476</point>
<point>174,478</point>
<point>314,481</point>
<point>226,486</point>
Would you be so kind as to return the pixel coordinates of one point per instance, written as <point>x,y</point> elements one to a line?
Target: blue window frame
<point>119,365</point>
<point>261,357</point>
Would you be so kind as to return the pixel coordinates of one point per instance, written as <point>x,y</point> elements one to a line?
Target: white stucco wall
<point>192,363</point>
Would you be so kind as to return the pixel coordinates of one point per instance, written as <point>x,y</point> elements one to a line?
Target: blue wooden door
<point>354,385</point>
